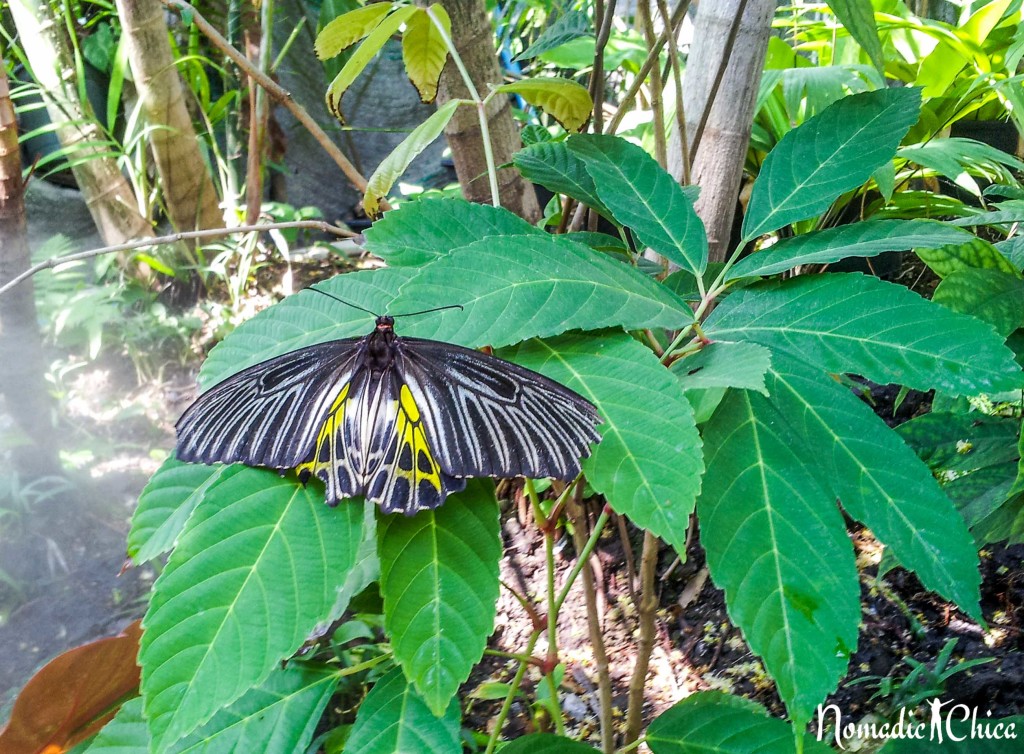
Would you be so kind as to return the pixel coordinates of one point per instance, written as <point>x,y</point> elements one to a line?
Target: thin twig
<point>719,75</point>
<point>652,57</point>
<point>646,610</point>
<point>603,18</point>
<point>643,10</point>
<point>677,83</point>
<point>174,238</point>
<point>604,683</point>
<point>277,92</point>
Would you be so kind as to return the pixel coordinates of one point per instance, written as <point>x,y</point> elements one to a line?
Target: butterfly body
<point>402,421</point>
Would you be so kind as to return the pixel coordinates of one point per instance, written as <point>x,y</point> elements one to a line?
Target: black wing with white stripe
<point>269,414</point>
<point>490,417</point>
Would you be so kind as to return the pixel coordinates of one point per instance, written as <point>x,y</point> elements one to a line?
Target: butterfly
<point>400,421</point>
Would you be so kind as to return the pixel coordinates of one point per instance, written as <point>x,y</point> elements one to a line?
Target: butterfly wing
<point>488,417</point>
<point>373,443</point>
<point>271,413</point>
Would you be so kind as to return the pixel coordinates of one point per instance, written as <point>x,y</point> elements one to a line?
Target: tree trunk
<point>107,193</point>
<point>474,40</point>
<point>188,190</point>
<point>21,355</point>
<point>718,162</point>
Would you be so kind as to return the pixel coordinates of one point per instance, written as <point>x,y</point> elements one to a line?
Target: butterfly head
<point>385,324</point>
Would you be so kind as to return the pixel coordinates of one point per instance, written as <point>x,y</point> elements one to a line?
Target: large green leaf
<point>724,364</point>
<point>992,296</point>
<point>833,152</point>
<point>859,324</point>
<point>394,719</point>
<point>646,198</point>
<point>858,16</point>
<point>127,733</point>
<point>572,24</point>
<point>863,239</point>
<point>648,463</point>
<point>278,717</point>
<point>777,545</point>
<point>553,165</point>
<point>961,442</point>
<point>879,481</point>
<point>713,722</point>
<point>969,253</point>
<point>258,566</point>
<point>303,319</point>
<point>514,288</point>
<point>399,159</point>
<point>166,502</point>
<point>419,232</point>
<point>439,580</point>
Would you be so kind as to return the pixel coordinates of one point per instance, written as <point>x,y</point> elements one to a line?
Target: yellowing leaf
<point>349,28</point>
<point>363,55</point>
<point>394,164</point>
<point>425,51</point>
<point>564,100</point>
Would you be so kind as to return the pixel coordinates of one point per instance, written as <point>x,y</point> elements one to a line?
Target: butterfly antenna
<point>343,301</point>
<point>460,307</point>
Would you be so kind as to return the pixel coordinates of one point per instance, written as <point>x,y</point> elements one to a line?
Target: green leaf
<point>713,722</point>
<point>303,319</point>
<point>166,502</point>
<point>553,165</point>
<point>974,253</point>
<point>724,364</point>
<point>777,545</point>
<point>961,442</point>
<point>858,16</point>
<point>833,152</point>
<point>1004,524</point>
<point>546,743</point>
<point>993,296</point>
<point>419,232</point>
<point>1013,249</point>
<point>439,580</point>
<point>349,28</point>
<point>125,734</point>
<point>863,239</point>
<point>366,52</point>
<point>514,288</point>
<point>396,163</point>
<point>258,566</point>
<point>278,717</point>
<point>562,99</point>
<point>571,25</point>
<point>879,481</point>
<point>425,51</point>
<point>862,325</point>
<point>1009,216</point>
<point>648,463</point>
<point>366,569</point>
<point>646,198</point>
<point>394,719</point>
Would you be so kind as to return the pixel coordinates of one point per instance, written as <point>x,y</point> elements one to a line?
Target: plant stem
<point>499,722</point>
<point>677,84</point>
<point>173,238</point>
<point>647,610</point>
<point>604,686</point>
<point>364,665</point>
<point>278,93</point>
<point>481,106</point>
<point>581,559</point>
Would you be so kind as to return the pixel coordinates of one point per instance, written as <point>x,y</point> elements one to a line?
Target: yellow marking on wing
<point>411,435</point>
<point>409,404</point>
<point>328,434</point>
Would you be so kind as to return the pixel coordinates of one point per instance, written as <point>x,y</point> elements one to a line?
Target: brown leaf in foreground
<point>73,695</point>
